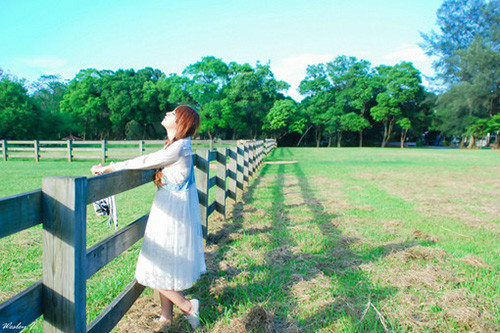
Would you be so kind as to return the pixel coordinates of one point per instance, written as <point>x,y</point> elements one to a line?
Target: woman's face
<point>169,121</point>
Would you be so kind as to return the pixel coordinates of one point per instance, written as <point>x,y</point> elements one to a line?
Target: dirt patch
<point>421,253</point>
<point>420,235</point>
<point>464,197</point>
<point>475,261</point>
<point>311,293</point>
<point>467,311</point>
<point>431,277</point>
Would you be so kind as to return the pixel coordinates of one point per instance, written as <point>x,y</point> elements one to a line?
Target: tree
<point>19,115</point>
<point>252,94</point>
<point>468,52</point>
<point>208,78</point>
<point>401,93</point>
<point>48,93</point>
<point>319,104</point>
<point>477,129</point>
<point>354,79</point>
<point>460,22</point>
<point>351,122</point>
<point>283,118</point>
<point>86,106</point>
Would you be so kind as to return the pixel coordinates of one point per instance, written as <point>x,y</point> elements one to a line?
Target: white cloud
<point>293,70</point>
<point>45,62</point>
<point>407,52</point>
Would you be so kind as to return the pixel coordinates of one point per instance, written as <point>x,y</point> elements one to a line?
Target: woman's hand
<point>100,169</point>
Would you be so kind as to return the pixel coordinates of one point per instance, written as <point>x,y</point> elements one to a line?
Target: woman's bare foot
<point>163,320</point>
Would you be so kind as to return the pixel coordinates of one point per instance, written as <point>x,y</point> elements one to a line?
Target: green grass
<point>348,240</point>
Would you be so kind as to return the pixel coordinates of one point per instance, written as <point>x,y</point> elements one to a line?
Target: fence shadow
<point>288,276</point>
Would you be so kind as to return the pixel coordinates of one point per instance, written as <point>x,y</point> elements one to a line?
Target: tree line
<point>346,101</point>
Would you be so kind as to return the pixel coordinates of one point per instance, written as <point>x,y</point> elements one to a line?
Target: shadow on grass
<point>288,281</point>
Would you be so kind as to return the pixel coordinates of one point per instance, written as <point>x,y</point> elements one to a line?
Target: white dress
<point>172,254</point>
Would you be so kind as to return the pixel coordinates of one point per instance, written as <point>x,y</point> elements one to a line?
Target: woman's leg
<point>167,307</point>
<point>176,298</point>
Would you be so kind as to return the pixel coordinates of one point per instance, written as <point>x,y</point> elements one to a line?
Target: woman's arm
<point>154,160</point>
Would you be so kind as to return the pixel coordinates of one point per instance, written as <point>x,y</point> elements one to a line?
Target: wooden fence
<point>101,150</point>
<point>60,296</point>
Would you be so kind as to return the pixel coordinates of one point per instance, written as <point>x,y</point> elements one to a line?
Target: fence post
<point>103,146</point>
<point>233,153</point>
<point>36,149</point>
<point>141,147</point>
<point>250,160</point>
<point>220,181</point>
<point>70,151</point>
<point>203,165</point>
<point>259,159</point>
<point>240,167</point>
<point>4,149</point>
<point>245,162</point>
<point>254,157</point>
<point>64,253</point>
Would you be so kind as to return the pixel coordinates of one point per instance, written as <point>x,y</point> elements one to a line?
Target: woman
<point>172,256</point>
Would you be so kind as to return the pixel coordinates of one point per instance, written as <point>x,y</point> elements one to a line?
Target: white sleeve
<point>154,160</point>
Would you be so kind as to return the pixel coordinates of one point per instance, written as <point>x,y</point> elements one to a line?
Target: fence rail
<point>60,296</point>
<point>101,150</point>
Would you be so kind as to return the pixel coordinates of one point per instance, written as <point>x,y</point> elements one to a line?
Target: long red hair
<point>187,123</point>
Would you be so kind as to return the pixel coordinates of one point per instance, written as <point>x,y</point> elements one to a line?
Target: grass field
<point>347,240</point>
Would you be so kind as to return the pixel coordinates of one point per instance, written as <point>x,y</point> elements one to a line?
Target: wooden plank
<point>108,249</point>
<point>19,212</point>
<point>21,156</point>
<point>211,182</point>
<point>108,319</point>
<point>203,165</point>
<point>21,149</point>
<point>24,308</point>
<point>20,142</point>
<point>61,149</point>
<point>64,254</point>
<point>240,166</point>
<point>103,186</point>
<point>89,142</point>
<point>83,157</point>
<point>211,208</point>
<point>86,149</point>
<point>220,190</point>
<point>121,142</point>
<point>53,142</point>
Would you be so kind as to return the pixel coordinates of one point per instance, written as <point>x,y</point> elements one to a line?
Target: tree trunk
<point>462,142</point>
<point>384,141</point>
<point>307,130</point>
<point>330,141</point>
<point>403,137</point>
<point>496,145</point>
<point>318,138</point>
<point>339,140</point>
<point>361,138</point>
<point>472,142</point>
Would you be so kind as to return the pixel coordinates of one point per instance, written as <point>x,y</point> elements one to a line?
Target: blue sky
<point>62,37</point>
